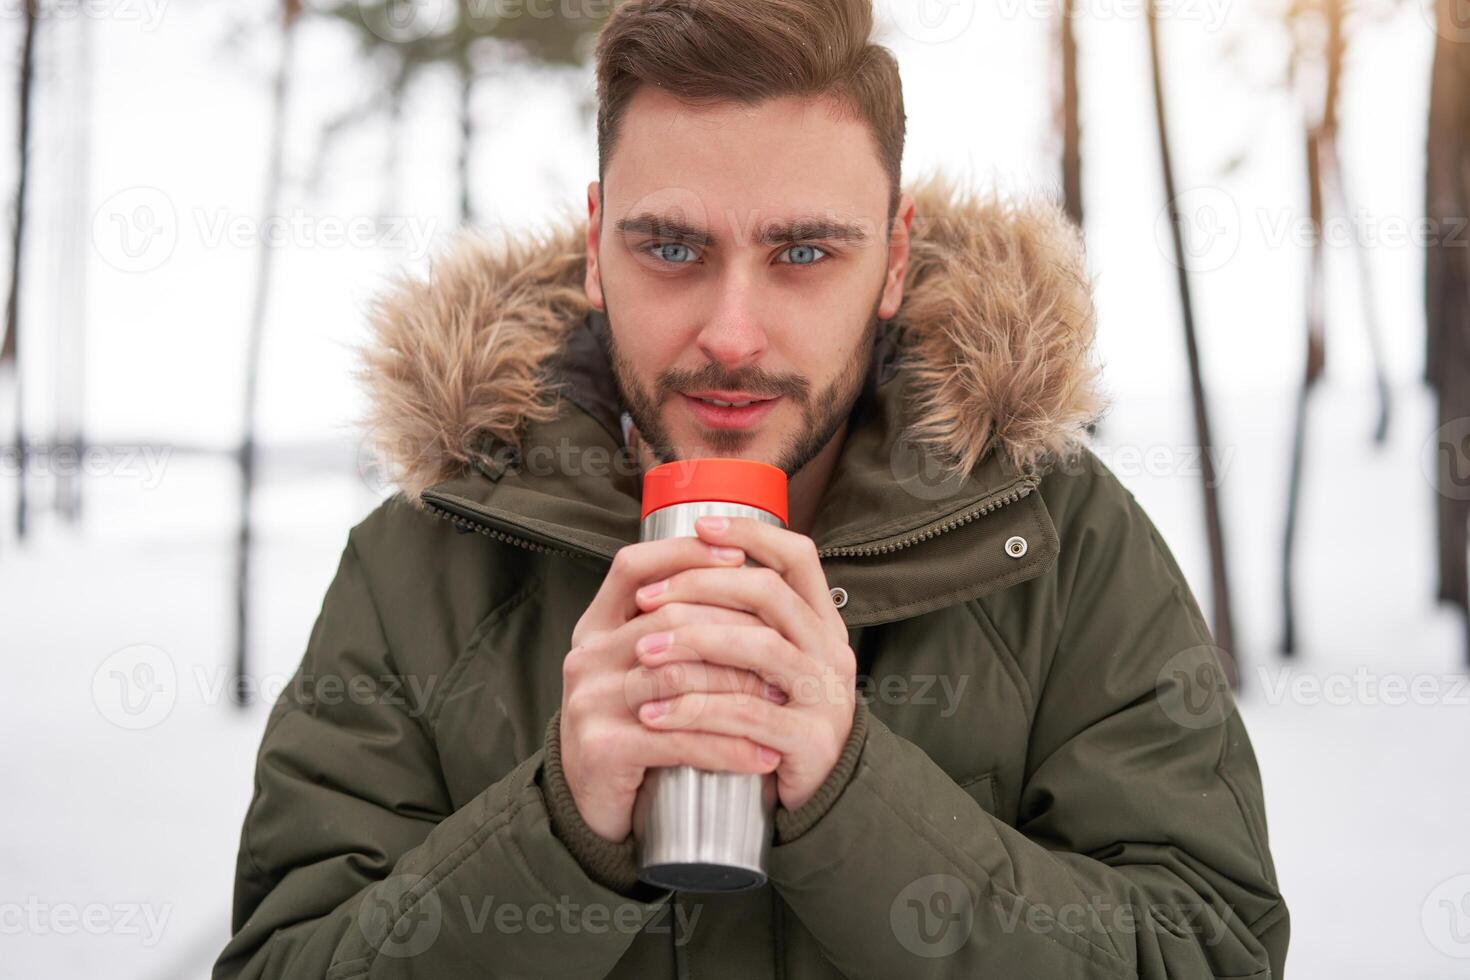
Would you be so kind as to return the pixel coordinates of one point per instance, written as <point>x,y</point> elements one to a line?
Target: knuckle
<point>578,702</point>
<point>808,549</point>
<point>626,563</point>
<point>593,649</point>
<point>579,631</point>
<point>846,669</point>
<point>576,737</point>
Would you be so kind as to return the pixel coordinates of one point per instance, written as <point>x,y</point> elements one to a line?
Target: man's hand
<point>797,642</point>
<point>604,748</point>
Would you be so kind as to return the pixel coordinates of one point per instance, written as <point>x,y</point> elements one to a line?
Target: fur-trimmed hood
<point>997,322</point>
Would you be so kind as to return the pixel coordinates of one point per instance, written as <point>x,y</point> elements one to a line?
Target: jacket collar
<point>490,395</point>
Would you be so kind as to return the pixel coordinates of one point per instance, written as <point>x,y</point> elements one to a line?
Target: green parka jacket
<point>1046,777</point>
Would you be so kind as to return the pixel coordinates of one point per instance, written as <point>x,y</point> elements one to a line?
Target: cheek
<point>651,339</point>
<point>822,347</point>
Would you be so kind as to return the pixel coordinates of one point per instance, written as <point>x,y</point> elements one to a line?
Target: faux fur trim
<point>998,335</point>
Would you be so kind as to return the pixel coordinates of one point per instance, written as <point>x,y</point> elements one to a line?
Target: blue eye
<point>803,254</point>
<point>674,252</point>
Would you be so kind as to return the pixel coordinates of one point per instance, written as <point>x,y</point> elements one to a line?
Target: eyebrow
<point>773,233</point>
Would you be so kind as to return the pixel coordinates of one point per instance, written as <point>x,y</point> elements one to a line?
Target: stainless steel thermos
<point>698,830</point>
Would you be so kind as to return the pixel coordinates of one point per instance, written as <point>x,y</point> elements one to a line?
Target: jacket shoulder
<point>1111,558</point>
<point>429,583</point>
<point>1081,488</point>
<point>1100,523</point>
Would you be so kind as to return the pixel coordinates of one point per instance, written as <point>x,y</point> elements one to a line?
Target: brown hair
<point>704,51</point>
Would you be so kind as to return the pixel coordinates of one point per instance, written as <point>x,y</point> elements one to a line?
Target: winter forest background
<point>212,192</point>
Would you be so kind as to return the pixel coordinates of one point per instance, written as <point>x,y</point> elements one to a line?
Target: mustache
<point>796,388</point>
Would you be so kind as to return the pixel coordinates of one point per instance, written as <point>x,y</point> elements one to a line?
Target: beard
<point>822,412</point>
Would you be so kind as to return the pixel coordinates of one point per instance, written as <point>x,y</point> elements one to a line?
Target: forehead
<point>737,164</point>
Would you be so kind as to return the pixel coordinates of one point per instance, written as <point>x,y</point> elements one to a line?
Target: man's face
<point>741,254</point>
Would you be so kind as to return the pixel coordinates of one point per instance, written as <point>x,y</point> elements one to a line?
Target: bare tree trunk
<point>1447,302</point>
<point>1316,358</point>
<point>10,347</point>
<point>1071,117</point>
<point>1324,173</point>
<point>73,95</point>
<point>466,134</point>
<point>1223,625</point>
<point>248,457</point>
<point>393,166</point>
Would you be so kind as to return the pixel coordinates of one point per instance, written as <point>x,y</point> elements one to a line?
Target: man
<point>970,660</point>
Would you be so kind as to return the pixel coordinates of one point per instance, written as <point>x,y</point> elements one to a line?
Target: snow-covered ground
<point>130,807</point>
<point>123,814</point>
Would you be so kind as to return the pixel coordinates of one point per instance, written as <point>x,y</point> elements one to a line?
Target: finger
<point>675,613</point>
<point>703,750</point>
<point>637,564</point>
<point>757,650</point>
<point>738,715</point>
<point>615,650</point>
<point>790,554</point>
<point>761,591</point>
<point>643,684</point>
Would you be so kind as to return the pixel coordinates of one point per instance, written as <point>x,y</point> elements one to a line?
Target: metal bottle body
<point>699,830</point>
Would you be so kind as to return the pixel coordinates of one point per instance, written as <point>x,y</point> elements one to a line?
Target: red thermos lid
<point>736,481</point>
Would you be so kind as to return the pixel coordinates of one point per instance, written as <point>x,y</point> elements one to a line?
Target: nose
<point>733,335</point>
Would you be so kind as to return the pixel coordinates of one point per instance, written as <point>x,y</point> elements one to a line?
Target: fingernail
<point>649,591</point>
<point>654,642</point>
<point>727,554</point>
<point>652,709</point>
<point>713,523</point>
<point>769,756</point>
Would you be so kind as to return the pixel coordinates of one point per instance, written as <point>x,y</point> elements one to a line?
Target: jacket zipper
<point>1014,493</point>
<point>460,520</point>
<point>989,505</point>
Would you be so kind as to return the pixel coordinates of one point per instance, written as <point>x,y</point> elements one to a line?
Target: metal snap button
<point>839,597</point>
<point>1016,546</point>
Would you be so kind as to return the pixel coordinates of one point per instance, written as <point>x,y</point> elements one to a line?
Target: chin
<point>759,446</point>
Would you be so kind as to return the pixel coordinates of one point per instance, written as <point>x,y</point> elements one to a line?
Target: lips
<point>716,416</point>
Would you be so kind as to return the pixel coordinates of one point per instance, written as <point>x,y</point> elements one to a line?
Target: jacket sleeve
<point>1140,849</point>
<point>351,863</point>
